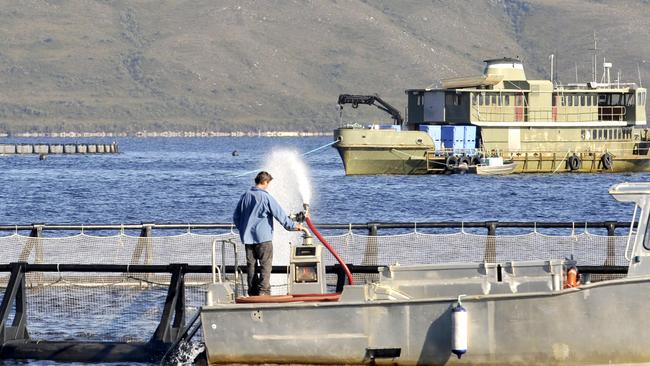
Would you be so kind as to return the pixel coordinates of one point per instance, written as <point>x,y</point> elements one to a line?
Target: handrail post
<point>145,244</point>
<point>610,260</point>
<point>34,243</point>
<point>372,229</point>
<point>371,253</point>
<point>490,255</point>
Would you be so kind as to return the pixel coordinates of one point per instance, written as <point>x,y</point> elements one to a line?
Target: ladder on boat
<point>435,162</point>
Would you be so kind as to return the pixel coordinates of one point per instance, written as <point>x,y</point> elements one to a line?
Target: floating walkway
<point>44,149</point>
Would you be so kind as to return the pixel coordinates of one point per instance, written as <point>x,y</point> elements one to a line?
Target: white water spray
<point>291,187</point>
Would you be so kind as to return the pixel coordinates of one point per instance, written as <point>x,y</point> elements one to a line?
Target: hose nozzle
<point>301,216</point>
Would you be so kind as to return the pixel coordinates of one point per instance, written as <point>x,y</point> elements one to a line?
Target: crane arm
<point>375,100</point>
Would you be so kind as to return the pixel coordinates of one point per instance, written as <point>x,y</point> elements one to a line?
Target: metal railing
<point>498,113</point>
<point>372,228</point>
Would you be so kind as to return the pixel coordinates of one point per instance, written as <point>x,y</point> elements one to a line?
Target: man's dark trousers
<point>259,275</point>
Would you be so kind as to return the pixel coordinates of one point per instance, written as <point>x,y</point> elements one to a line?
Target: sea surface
<point>199,180</point>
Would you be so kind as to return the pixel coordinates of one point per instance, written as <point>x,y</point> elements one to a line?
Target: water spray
<point>292,178</point>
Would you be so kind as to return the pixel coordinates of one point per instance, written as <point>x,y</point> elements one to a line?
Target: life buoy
<point>571,278</point>
<point>606,160</point>
<point>574,162</point>
<point>451,162</point>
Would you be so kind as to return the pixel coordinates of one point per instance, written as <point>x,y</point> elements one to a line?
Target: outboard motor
<point>306,268</point>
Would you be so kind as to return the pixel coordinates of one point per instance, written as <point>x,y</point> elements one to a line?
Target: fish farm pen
<point>53,148</point>
<point>132,292</point>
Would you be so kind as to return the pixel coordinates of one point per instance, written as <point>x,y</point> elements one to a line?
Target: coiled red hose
<point>331,249</point>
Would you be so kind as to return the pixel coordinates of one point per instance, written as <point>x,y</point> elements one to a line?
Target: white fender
<point>458,330</point>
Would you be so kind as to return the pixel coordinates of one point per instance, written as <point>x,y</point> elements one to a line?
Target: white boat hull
<point>495,170</point>
<point>599,323</point>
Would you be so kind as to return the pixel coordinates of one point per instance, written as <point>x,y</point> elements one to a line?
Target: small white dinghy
<point>494,166</point>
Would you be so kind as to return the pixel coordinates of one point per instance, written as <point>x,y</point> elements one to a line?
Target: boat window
<point>600,134</point>
<point>487,100</point>
<point>506,100</point>
<point>570,101</point>
<point>616,99</point>
<point>563,100</point>
<point>620,134</point>
<point>646,237</point>
<point>480,99</point>
<point>593,134</point>
<point>582,101</point>
<point>630,100</point>
<point>602,99</point>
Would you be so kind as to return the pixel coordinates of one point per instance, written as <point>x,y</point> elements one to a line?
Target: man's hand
<point>299,227</point>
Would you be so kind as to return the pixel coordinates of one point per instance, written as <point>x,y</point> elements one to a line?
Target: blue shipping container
<point>435,133</point>
<point>470,137</point>
<point>453,137</point>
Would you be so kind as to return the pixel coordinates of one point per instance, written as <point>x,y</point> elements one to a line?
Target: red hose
<point>332,250</point>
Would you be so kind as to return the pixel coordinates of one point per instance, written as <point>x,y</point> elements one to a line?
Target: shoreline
<point>146,134</point>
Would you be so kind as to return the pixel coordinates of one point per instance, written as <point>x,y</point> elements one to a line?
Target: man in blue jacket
<point>253,218</point>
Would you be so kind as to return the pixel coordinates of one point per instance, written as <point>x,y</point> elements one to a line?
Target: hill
<point>117,65</point>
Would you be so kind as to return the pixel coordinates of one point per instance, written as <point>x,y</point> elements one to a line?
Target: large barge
<point>541,125</point>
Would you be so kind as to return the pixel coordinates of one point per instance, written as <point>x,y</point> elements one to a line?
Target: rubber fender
<point>574,162</point>
<point>465,159</point>
<point>607,161</point>
<point>476,160</point>
<point>452,162</point>
<point>459,330</point>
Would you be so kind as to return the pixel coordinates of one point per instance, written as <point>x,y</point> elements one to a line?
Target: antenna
<point>552,58</point>
<point>576,65</point>
<point>638,71</point>
<point>595,49</point>
<point>606,67</point>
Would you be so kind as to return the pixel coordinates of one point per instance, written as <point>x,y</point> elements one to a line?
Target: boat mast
<point>595,49</point>
<point>552,58</point>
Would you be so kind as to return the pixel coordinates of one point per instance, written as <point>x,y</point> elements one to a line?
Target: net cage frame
<point>126,305</point>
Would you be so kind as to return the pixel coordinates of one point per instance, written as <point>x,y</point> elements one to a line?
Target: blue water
<point>198,180</point>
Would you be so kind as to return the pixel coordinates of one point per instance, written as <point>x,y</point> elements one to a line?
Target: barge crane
<point>375,100</point>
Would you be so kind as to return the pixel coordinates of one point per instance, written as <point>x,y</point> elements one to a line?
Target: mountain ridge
<point>201,65</point>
